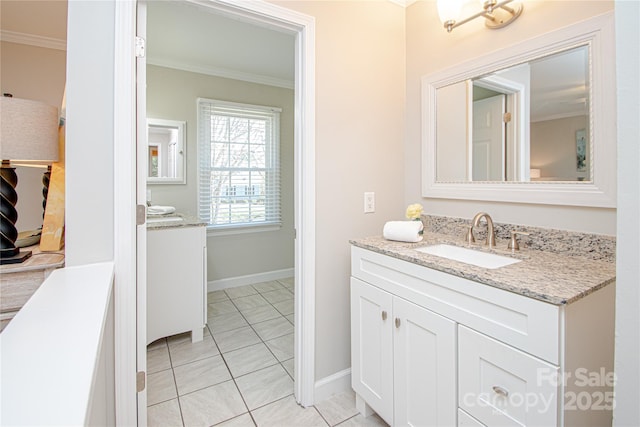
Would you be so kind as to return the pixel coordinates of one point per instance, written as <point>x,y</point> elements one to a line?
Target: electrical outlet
<point>369,202</point>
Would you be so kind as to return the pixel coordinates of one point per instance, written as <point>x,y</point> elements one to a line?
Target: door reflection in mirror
<point>499,126</point>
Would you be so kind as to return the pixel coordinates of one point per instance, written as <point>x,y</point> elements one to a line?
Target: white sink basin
<point>468,256</point>
<point>152,220</point>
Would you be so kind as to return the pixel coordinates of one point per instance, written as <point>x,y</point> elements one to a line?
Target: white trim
<point>124,199</point>
<point>223,72</point>
<point>598,34</point>
<point>333,384</point>
<point>249,279</point>
<point>241,229</point>
<point>33,40</point>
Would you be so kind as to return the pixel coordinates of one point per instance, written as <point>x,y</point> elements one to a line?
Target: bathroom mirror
<point>533,122</point>
<point>528,117</point>
<point>165,151</point>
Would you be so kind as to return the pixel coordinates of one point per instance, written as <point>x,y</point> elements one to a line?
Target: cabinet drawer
<point>525,323</point>
<point>500,385</point>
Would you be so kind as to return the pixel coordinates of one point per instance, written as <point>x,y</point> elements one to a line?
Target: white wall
<point>359,132</point>
<point>90,170</point>
<point>430,48</point>
<point>171,95</point>
<point>627,367</point>
<point>452,132</point>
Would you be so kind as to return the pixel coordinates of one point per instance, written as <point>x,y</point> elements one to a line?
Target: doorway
<point>303,27</point>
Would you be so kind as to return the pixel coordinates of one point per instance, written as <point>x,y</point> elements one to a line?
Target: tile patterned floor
<point>241,373</point>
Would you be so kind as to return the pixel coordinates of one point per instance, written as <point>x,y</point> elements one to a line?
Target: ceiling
<point>559,85</point>
<point>191,37</point>
<point>179,35</point>
<point>187,36</point>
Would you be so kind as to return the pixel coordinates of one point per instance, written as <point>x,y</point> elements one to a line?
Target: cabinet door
<point>424,367</point>
<point>500,385</point>
<point>175,282</point>
<point>372,347</point>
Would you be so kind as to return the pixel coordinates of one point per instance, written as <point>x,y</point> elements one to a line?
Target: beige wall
<point>553,148</point>
<point>430,48</point>
<point>359,132</point>
<point>172,94</point>
<point>36,73</point>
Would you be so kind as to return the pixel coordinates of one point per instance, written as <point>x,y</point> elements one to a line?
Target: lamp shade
<point>449,10</point>
<point>29,131</point>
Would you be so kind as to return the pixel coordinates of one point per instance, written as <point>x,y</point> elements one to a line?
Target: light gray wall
<point>172,94</point>
<point>627,367</point>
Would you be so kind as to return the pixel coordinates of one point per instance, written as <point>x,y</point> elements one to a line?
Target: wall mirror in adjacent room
<point>533,122</point>
<point>166,157</point>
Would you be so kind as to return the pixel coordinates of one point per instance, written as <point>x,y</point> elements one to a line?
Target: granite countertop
<point>160,222</point>
<point>550,277</point>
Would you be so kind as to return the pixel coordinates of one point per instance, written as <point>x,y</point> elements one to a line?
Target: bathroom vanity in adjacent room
<point>176,277</point>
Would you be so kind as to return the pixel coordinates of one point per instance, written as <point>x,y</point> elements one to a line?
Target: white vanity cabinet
<point>434,349</point>
<point>403,358</point>
<point>176,281</point>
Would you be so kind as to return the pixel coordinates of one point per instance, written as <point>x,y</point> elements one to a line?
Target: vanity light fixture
<point>496,13</point>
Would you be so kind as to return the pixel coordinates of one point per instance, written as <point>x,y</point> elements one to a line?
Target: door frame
<point>125,198</point>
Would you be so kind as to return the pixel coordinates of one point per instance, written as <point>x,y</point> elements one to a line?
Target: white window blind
<point>239,164</point>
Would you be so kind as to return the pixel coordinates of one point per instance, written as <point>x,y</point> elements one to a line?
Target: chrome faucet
<point>491,234</point>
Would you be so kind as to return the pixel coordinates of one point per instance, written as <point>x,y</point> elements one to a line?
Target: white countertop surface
<point>50,350</point>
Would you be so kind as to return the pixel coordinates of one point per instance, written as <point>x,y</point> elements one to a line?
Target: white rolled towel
<point>403,231</point>
<point>160,210</point>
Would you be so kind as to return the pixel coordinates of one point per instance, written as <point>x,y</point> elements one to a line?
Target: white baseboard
<point>333,384</point>
<point>234,282</point>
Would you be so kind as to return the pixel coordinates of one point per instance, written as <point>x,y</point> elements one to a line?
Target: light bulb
<point>449,10</point>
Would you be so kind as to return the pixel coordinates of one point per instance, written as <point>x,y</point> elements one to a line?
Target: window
<point>239,168</point>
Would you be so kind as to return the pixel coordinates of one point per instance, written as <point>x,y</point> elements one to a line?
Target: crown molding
<point>33,40</point>
<point>222,72</point>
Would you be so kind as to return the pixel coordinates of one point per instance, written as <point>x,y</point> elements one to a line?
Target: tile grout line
<point>175,383</point>
<point>244,402</point>
<point>233,378</point>
<point>258,335</point>
<point>225,361</point>
<point>269,349</point>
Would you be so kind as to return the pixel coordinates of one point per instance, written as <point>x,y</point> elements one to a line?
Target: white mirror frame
<point>598,34</point>
<point>182,151</point>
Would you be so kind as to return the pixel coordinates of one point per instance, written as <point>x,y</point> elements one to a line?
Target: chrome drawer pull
<point>384,315</point>
<point>397,322</point>
<point>501,391</point>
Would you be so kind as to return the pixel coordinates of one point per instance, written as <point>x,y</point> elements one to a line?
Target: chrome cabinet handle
<point>397,322</point>
<point>384,315</point>
<point>501,391</point>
